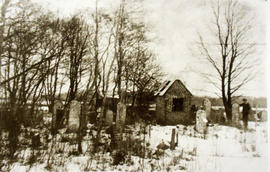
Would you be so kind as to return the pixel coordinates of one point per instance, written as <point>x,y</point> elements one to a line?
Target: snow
<point>222,149</point>
<point>163,89</point>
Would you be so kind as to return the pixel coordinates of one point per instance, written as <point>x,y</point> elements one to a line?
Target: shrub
<point>119,157</point>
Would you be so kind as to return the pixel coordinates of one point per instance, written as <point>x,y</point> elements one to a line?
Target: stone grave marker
<point>264,116</point>
<point>74,116</point>
<point>109,117</point>
<point>207,107</point>
<point>120,120</point>
<point>176,134</point>
<point>35,140</point>
<point>224,116</point>
<point>235,114</point>
<point>121,114</point>
<point>58,106</point>
<point>117,136</point>
<point>85,112</point>
<point>172,146</point>
<point>201,121</point>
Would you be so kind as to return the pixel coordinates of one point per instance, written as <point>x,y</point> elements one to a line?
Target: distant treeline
<point>260,102</point>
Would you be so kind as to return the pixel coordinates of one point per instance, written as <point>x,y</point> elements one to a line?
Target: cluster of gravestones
<point>73,118</point>
<point>75,114</point>
<point>203,115</point>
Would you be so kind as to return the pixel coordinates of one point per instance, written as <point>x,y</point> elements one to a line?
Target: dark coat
<point>246,109</point>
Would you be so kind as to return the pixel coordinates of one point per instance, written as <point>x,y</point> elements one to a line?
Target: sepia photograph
<point>134,85</point>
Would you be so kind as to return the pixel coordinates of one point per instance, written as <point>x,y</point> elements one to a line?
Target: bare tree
<point>76,33</point>
<point>141,73</point>
<point>120,39</point>
<point>230,49</point>
<point>21,47</point>
<point>4,8</point>
<point>22,37</point>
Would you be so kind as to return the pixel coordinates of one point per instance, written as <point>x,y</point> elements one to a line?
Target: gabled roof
<point>163,88</point>
<point>166,85</point>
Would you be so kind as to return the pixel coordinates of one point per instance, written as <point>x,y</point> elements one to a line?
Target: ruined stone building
<point>173,101</point>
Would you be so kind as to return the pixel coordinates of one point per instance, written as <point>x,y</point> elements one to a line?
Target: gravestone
<point>201,121</point>
<point>207,108</point>
<point>116,136</point>
<point>235,114</point>
<point>85,113</point>
<point>225,117</point>
<point>58,107</point>
<point>264,116</point>
<point>172,146</point>
<point>35,140</point>
<point>176,134</point>
<point>121,114</point>
<point>74,116</point>
<point>109,117</point>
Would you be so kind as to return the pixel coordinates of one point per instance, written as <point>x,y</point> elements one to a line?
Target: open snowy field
<point>224,148</point>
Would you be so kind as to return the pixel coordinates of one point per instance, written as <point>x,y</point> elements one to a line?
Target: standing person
<point>246,108</point>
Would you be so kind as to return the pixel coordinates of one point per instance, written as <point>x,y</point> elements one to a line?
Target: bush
<point>119,157</point>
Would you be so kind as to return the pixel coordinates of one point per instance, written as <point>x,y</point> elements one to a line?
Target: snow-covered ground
<point>222,148</point>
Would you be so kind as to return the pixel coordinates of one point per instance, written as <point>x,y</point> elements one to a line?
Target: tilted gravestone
<point>109,117</point>
<point>207,108</point>
<point>201,121</point>
<point>58,107</point>
<point>74,116</point>
<point>235,114</point>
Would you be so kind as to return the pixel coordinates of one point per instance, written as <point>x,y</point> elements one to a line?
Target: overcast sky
<point>175,25</point>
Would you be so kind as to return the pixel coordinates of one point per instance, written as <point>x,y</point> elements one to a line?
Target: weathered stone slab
<point>35,141</point>
<point>58,106</point>
<point>74,116</point>
<point>201,121</point>
<point>235,114</point>
<point>172,145</point>
<point>176,134</point>
<point>264,116</point>
<point>121,114</point>
<point>85,113</point>
<point>117,136</point>
<point>109,117</point>
<point>207,107</point>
